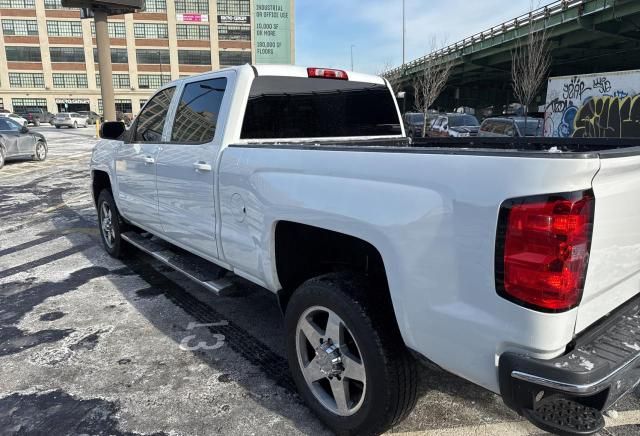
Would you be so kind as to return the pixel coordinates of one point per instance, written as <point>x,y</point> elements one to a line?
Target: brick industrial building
<point>48,54</point>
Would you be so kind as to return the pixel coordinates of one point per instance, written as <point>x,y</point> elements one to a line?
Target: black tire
<point>75,124</point>
<point>40,151</point>
<point>57,126</point>
<point>117,248</point>
<point>2,156</point>
<point>391,391</point>
<point>36,123</point>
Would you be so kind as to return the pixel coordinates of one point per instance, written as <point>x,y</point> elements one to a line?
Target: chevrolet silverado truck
<point>513,265</point>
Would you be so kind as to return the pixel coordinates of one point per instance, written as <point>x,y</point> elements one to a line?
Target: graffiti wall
<point>605,105</point>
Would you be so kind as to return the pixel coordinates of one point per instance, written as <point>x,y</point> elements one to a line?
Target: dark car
<point>91,115</point>
<point>34,115</point>
<point>18,141</point>
<point>514,127</point>
<point>414,123</point>
<point>455,126</point>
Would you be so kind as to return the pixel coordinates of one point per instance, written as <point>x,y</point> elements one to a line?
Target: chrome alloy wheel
<point>41,151</point>
<point>330,361</point>
<point>106,223</point>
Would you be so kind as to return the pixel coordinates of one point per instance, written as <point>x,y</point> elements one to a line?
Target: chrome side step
<point>194,267</point>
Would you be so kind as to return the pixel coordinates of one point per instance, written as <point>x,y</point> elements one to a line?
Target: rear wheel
<point>57,126</point>
<point>40,152</point>
<point>2,156</point>
<point>346,355</point>
<point>36,123</point>
<point>111,225</point>
<point>75,124</point>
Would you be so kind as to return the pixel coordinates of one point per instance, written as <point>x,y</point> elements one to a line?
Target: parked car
<point>414,123</point>
<point>90,115</point>
<point>512,127</point>
<point>473,258</point>
<point>15,117</point>
<point>35,116</point>
<point>70,119</point>
<point>17,141</point>
<point>455,126</point>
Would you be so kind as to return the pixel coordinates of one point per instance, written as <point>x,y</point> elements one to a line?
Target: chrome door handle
<point>148,160</point>
<point>202,166</point>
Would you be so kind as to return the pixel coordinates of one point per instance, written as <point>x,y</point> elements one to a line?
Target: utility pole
<point>104,65</point>
<point>404,30</point>
<point>352,56</point>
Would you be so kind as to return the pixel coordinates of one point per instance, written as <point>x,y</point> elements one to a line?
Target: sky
<point>326,29</point>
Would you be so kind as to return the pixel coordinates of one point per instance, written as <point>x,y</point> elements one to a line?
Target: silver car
<point>70,119</point>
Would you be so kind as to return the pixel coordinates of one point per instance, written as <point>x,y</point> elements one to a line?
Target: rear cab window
<point>298,107</point>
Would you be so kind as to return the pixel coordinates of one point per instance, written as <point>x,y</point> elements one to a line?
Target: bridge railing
<point>538,15</point>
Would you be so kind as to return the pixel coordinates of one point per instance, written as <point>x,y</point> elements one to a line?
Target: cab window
<point>150,122</point>
<point>9,125</point>
<point>197,115</point>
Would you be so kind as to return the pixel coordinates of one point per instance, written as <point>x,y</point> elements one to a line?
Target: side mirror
<point>24,129</point>
<point>112,129</point>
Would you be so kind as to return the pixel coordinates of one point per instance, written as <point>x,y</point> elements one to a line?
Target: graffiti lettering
<point>602,84</point>
<point>608,117</point>
<point>574,89</point>
<point>621,94</point>
<point>557,105</point>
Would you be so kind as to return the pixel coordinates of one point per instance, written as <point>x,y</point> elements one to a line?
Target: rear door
<point>136,162</point>
<point>613,275</point>
<point>186,165</point>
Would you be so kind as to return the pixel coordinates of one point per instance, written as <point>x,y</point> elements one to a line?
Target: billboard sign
<point>193,18</point>
<point>234,19</point>
<point>273,31</point>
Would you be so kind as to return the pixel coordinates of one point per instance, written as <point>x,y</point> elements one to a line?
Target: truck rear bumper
<point>602,365</point>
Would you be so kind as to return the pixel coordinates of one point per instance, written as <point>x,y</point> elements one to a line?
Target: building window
<point>26,80</point>
<point>118,56</point>
<point>192,31</point>
<point>142,103</point>
<point>151,56</point>
<point>155,6</point>
<point>30,103</point>
<point>66,54</point>
<point>194,57</point>
<point>232,32</point>
<point>17,4</point>
<point>151,30</point>
<point>69,80</point>
<point>152,81</point>
<point>187,6</point>
<point>232,58</point>
<point>116,29</point>
<point>64,28</point>
<point>20,27</point>
<point>120,81</point>
<point>234,7</point>
<point>23,54</point>
<point>122,105</point>
<point>55,4</point>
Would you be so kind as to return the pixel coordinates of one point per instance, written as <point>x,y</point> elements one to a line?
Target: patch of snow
<point>634,347</point>
<point>586,364</point>
<point>561,365</point>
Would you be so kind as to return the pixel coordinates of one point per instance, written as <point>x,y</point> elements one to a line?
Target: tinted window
<point>416,118</point>
<point>151,120</point>
<point>534,127</point>
<point>295,107</point>
<point>6,124</point>
<point>463,120</point>
<point>197,113</point>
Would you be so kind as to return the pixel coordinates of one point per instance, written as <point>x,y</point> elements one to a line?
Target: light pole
<point>404,29</point>
<point>352,56</point>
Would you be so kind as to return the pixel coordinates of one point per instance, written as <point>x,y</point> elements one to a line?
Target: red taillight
<point>543,250</point>
<point>325,73</point>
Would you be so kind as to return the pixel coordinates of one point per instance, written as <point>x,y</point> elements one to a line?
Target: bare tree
<point>530,63</point>
<point>431,80</point>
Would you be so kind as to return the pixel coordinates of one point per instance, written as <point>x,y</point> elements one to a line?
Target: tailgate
<point>613,276</point>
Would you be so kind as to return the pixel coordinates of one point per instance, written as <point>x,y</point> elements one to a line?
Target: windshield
<point>463,120</point>
<point>295,107</point>
<point>416,118</point>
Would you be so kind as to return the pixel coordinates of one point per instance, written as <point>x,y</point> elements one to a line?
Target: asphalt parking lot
<point>92,345</point>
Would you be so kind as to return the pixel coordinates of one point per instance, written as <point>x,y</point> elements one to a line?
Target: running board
<point>194,267</point>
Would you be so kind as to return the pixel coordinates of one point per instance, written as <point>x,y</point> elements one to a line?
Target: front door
<point>136,163</point>
<point>15,142</point>
<point>186,166</point>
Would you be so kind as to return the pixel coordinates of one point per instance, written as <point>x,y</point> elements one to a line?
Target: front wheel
<point>346,355</point>
<point>75,125</point>
<point>111,225</point>
<point>40,152</point>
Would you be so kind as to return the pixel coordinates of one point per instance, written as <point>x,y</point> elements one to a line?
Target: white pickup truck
<point>513,265</point>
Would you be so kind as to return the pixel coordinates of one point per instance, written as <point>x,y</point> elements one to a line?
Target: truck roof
<point>290,71</point>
